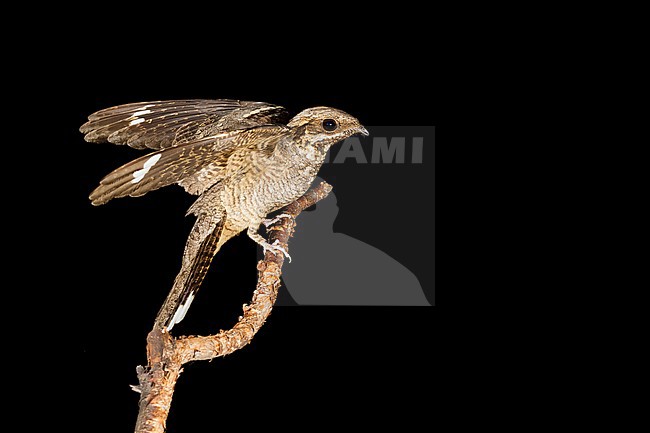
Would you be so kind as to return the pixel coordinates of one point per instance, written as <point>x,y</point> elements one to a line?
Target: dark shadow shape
<point>336,269</point>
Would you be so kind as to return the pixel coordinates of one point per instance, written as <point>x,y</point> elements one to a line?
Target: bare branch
<point>157,382</point>
<point>166,354</point>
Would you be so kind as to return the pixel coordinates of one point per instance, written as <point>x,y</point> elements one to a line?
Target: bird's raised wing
<point>162,124</point>
<point>200,163</point>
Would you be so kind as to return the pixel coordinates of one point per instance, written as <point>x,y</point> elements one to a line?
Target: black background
<point>110,267</point>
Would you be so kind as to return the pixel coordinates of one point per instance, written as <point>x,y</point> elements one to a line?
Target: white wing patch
<point>138,175</point>
<point>136,121</point>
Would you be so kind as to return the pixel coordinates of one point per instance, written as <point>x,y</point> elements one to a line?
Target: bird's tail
<point>204,242</point>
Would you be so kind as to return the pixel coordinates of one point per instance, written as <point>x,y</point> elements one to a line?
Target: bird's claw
<point>275,248</point>
<point>268,221</point>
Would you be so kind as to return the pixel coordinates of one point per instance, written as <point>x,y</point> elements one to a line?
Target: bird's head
<point>324,126</point>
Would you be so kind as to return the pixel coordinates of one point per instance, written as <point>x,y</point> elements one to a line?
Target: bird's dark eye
<point>330,124</point>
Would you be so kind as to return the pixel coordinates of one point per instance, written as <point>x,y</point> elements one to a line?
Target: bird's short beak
<point>363,131</point>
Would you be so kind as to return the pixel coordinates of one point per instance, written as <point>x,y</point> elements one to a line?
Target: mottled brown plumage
<point>241,157</point>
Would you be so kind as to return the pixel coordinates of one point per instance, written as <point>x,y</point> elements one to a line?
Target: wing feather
<point>188,161</point>
<point>162,124</point>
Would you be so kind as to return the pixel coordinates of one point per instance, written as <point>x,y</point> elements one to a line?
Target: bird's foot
<point>275,248</point>
<point>267,222</point>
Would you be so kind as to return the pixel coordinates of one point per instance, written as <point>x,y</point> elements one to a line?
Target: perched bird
<point>243,159</point>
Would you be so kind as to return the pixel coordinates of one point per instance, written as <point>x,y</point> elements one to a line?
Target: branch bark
<point>167,354</point>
